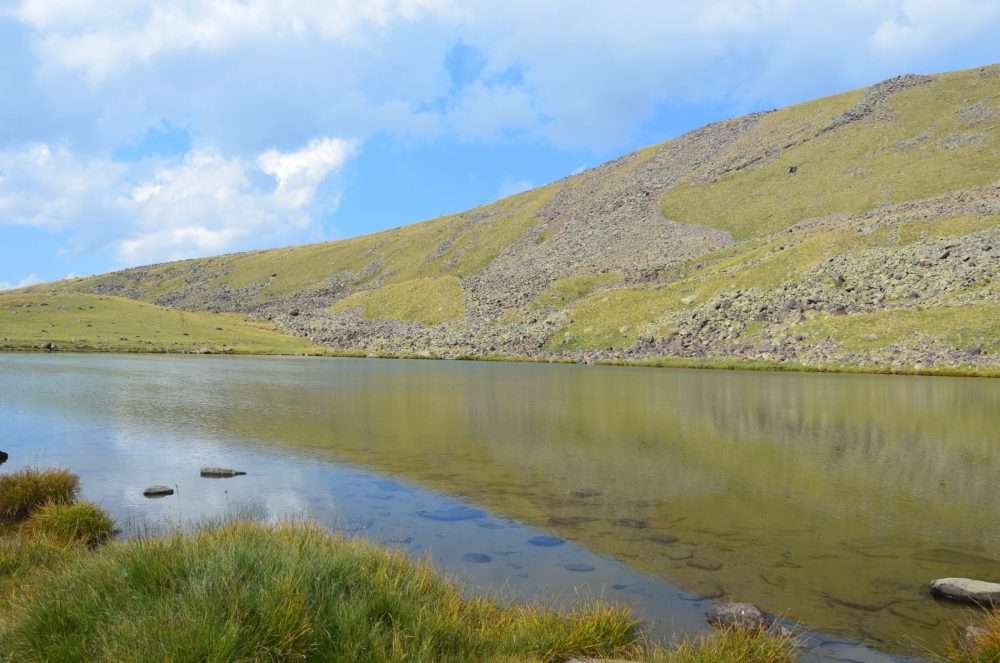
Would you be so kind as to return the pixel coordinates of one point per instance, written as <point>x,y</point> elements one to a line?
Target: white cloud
<point>102,38</point>
<point>511,186</point>
<point>930,25</point>
<point>29,280</point>
<point>203,203</point>
<point>51,187</point>
<point>299,173</point>
<point>585,75</point>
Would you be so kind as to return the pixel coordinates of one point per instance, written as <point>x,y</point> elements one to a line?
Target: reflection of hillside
<point>815,493</point>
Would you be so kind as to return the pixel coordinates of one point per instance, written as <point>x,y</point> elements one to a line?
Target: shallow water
<point>828,499</point>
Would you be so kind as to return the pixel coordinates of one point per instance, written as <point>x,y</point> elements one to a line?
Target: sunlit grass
<point>24,492</point>
<point>80,322</point>
<point>429,301</point>
<point>295,592</point>
<point>913,152</point>
<point>80,522</point>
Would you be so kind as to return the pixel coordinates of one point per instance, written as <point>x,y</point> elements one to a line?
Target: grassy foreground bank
<point>245,591</point>
<point>250,592</point>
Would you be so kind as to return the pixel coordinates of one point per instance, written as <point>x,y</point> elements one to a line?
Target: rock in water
<point>220,473</point>
<point>158,491</point>
<point>966,590</point>
<point>3,457</point>
<point>739,615</point>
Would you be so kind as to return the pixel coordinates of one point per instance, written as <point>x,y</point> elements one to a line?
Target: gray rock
<point>158,491</point>
<point>738,615</point>
<point>220,473</point>
<point>966,590</point>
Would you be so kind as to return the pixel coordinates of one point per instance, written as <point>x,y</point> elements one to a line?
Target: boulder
<point>158,491</point>
<point>220,473</point>
<point>738,615</point>
<point>3,457</point>
<point>966,590</point>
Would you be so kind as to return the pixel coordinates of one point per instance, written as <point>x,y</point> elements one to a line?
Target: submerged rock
<point>220,473</point>
<point>966,590</point>
<point>738,615</point>
<point>476,558</point>
<point>158,491</point>
<point>546,541</point>
<point>452,514</point>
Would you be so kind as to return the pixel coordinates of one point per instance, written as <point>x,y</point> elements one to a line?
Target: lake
<point>828,499</point>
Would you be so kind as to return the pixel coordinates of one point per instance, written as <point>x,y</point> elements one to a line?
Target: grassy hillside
<point>860,229</point>
<point>79,322</point>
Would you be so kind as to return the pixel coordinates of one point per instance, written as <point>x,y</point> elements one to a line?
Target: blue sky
<point>135,131</point>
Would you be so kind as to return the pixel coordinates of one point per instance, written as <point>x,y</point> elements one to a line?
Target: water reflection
<point>829,499</point>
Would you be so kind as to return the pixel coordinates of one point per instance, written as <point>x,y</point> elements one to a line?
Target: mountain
<point>856,230</point>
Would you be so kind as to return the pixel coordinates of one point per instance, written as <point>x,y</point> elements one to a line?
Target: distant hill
<point>859,229</point>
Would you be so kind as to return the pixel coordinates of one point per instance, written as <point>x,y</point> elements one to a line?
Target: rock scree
<point>966,590</point>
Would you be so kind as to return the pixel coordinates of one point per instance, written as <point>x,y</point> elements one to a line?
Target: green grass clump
<point>982,645</point>
<point>22,493</point>
<point>731,646</point>
<point>81,522</point>
<point>247,592</point>
<point>964,326</point>
<point>566,291</point>
<point>428,301</point>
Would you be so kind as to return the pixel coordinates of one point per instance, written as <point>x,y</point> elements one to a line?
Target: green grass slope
<point>80,322</point>
<point>856,230</point>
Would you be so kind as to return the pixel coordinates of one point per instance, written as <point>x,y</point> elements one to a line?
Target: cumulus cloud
<point>155,210</point>
<point>299,173</point>
<point>104,37</point>
<point>51,187</point>
<point>587,76</point>
<point>29,280</point>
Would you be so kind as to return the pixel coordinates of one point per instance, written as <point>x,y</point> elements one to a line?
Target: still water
<point>829,499</point>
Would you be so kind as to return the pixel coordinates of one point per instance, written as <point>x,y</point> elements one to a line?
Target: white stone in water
<point>967,590</point>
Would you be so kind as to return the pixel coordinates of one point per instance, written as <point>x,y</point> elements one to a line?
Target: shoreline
<point>718,364</point>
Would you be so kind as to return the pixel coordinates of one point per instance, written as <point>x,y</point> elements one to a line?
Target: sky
<point>134,132</point>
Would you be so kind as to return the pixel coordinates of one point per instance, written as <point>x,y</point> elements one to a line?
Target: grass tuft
<point>980,645</point>
<point>81,522</point>
<point>731,646</point>
<point>21,493</point>
<point>249,592</point>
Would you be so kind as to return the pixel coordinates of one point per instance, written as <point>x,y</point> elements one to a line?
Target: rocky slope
<point>858,229</point>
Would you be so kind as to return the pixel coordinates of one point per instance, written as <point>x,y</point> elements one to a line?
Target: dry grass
<point>731,646</point>
<point>21,493</point>
<point>982,646</point>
